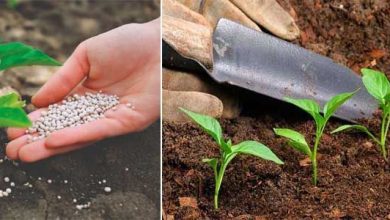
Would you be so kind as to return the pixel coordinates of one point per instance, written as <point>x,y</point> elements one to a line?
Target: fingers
<point>17,132</point>
<point>13,147</point>
<point>30,152</point>
<point>74,70</point>
<point>92,131</point>
<point>37,151</point>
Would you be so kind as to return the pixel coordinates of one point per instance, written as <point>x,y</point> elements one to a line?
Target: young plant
<point>378,86</point>
<point>228,151</point>
<point>11,111</point>
<point>12,3</point>
<point>11,55</point>
<point>297,140</point>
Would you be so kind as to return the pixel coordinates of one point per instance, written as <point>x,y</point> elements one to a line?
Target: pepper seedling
<point>378,86</point>
<point>12,55</point>
<point>297,140</point>
<point>228,151</point>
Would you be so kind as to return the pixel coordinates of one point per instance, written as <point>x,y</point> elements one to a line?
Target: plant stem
<point>314,161</point>
<point>219,182</point>
<point>215,200</point>
<point>384,131</point>
<point>319,132</point>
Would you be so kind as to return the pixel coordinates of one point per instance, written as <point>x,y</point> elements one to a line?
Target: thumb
<point>74,70</point>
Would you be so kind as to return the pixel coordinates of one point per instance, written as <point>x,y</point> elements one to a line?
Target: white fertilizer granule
<point>71,112</point>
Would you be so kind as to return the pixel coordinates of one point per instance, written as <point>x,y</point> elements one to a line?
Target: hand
<point>124,61</point>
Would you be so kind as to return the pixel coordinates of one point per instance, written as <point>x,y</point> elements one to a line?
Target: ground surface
<point>354,181</point>
<point>130,164</point>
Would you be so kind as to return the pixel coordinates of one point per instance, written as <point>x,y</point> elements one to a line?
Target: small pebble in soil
<point>107,189</point>
<point>49,181</point>
<point>12,184</point>
<point>66,181</point>
<point>74,200</point>
<point>126,169</point>
<point>58,197</point>
<point>6,179</point>
<point>104,181</point>
<point>73,111</point>
<point>8,190</point>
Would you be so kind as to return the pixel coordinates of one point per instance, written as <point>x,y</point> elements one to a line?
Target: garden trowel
<point>273,67</point>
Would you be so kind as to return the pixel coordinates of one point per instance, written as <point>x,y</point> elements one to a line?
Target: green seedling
<point>12,55</point>
<point>228,151</point>
<point>18,54</point>
<point>378,86</point>
<point>11,111</point>
<point>12,3</point>
<point>297,140</point>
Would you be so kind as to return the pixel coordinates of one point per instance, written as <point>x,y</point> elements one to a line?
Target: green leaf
<point>229,143</point>
<point>256,149</point>
<point>360,128</point>
<point>376,84</point>
<point>310,107</point>
<point>13,117</point>
<point>212,162</point>
<point>12,3</point>
<point>11,100</point>
<point>334,103</point>
<point>386,108</point>
<point>296,140</point>
<point>19,54</point>
<point>209,124</point>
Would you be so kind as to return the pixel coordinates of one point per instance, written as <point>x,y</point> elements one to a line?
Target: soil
<point>354,180</point>
<point>354,33</point>
<point>129,164</point>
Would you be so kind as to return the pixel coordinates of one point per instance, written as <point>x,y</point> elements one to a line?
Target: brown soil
<point>354,33</point>
<point>354,180</point>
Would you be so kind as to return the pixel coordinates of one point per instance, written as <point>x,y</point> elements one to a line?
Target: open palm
<point>124,61</point>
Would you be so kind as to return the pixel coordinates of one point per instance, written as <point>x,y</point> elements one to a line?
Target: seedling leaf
<point>296,140</point>
<point>308,106</point>
<point>212,162</point>
<point>334,103</point>
<point>376,84</point>
<point>13,117</point>
<point>18,54</point>
<point>11,100</point>
<point>360,128</point>
<point>256,149</point>
<point>209,124</point>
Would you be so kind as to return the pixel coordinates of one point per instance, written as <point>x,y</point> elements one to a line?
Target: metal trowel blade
<point>270,66</point>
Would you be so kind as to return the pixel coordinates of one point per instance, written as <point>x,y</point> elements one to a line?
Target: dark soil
<point>354,180</point>
<point>129,164</point>
<point>354,33</point>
